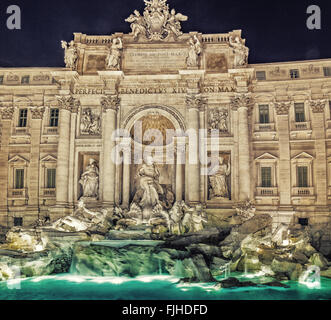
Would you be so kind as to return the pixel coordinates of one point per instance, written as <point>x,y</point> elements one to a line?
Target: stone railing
<point>49,193</point>
<point>216,38</point>
<point>17,193</point>
<point>303,192</point>
<point>19,131</point>
<point>267,192</point>
<point>264,127</point>
<point>51,130</point>
<point>298,126</point>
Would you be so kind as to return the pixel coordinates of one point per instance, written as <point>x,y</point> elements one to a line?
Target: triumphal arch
<point>162,116</point>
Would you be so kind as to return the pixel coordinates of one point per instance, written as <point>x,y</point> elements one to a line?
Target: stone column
<point>194,103</point>
<point>110,106</point>
<point>320,164</point>
<point>180,160</point>
<point>242,102</point>
<point>66,105</point>
<point>282,110</point>
<point>6,120</point>
<point>126,190</point>
<point>37,116</point>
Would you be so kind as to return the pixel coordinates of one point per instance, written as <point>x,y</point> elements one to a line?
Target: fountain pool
<point>159,287</point>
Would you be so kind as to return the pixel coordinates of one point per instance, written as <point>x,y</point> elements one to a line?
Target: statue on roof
<point>157,23</point>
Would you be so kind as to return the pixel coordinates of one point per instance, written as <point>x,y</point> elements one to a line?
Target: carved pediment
<point>303,157</point>
<point>267,157</point>
<point>49,158</point>
<point>17,159</point>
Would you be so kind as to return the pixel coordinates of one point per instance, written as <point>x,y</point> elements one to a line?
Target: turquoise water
<point>73,287</point>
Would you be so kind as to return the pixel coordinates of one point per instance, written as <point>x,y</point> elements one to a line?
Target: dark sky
<point>274,30</point>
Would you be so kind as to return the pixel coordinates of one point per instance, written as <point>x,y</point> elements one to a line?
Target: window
<point>19,179</point>
<point>303,221</point>
<point>302,177</point>
<point>327,71</point>
<point>1,79</point>
<point>23,117</point>
<point>51,176</point>
<point>294,73</point>
<point>260,75</point>
<point>18,222</point>
<point>299,112</point>
<point>266,177</point>
<point>54,118</point>
<point>25,79</point>
<point>264,113</point>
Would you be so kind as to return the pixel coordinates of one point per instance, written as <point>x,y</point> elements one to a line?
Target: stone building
<point>273,119</point>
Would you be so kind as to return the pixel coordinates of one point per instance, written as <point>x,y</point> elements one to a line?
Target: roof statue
<point>157,23</point>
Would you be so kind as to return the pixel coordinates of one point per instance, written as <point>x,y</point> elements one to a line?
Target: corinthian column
<point>67,104</point>
<point>320,167</point>
<point>194,103</point>
<point>241,103</point>
<point>110,106</point>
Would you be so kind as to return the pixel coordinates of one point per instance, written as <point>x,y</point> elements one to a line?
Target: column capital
<point>282,108</point>
<point>38,112</point>
<point>6,113</point>
<point>110,102</point>
<point>317,106</point>
<point>68,103</point>
<point>196,101</point>
<point>241,100</point>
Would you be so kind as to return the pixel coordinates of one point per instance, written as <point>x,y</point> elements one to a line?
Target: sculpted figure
<point>241,52</point>
<point>113,60</point>
<point>218,182</point>
<point>192,60</point>
<point>90,180</point>
<point>70,54</point>
<point>138,24</point>
<point>90,124</point>
<point>173,24</point>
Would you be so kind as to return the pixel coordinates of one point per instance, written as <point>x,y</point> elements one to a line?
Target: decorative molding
<point>317,106</point>
<point>38,112</point>
<point>243,100</point>
<point>196,101</point>
<point>6,113</point>
<point>68,103</point>
<point>111,102</point>
<point>282,108</point>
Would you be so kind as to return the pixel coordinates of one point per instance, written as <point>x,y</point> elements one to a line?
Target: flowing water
<point>159,287</point>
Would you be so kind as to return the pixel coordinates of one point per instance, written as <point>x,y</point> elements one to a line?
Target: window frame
<point>267,107</point>
<point>296,114</point>
<point>294,73</point>
<point>54,118</point>
<point>24,118</point>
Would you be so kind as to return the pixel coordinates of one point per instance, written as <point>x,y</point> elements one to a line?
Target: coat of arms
<point>157,23</point>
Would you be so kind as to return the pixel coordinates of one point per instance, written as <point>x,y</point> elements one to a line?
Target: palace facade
<point>274,121</point>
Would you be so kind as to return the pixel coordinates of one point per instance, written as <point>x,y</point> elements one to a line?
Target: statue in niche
<point>113,60</point>
<point>138,24</point>
<point>192,60</point>
<point>90,180</point>
<point>70,54</point>
<point>90,123</point>
<point>218,120</point>
<point>240,51</point>
<point>218,182</point>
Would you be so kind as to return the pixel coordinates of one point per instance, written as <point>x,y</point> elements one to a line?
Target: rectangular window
<point>260,75</point>
<point>1,79</point>
<point>51,175</point>
<point>264,113</point>
<point>54,118</point>
<point>23,117</point>
<point>299,112</point>
<point>327,71</point>
<point>303,177</point>
<point>294,73</point>
<point>25,79</point>
<point>266,177</point>
<point>19,179</point>
<point>18,222</point>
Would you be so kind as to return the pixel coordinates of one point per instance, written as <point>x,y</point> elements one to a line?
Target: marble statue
<point>156,23</point>
<point>240,51</point>
<point>192,60</point>
<point>113,60</point>
<point>90,180</point>
<point>194,219</point>
<point>218,183</point>
<point>70,54</point>
<point>90,124</point>
<point>218,120</point>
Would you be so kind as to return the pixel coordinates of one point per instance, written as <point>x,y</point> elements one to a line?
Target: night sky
<point>274,30</point>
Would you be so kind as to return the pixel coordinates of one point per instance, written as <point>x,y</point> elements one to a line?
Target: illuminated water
<point>71,287</point>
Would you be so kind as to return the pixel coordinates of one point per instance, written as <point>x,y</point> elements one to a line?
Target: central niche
<point>152,121</point>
